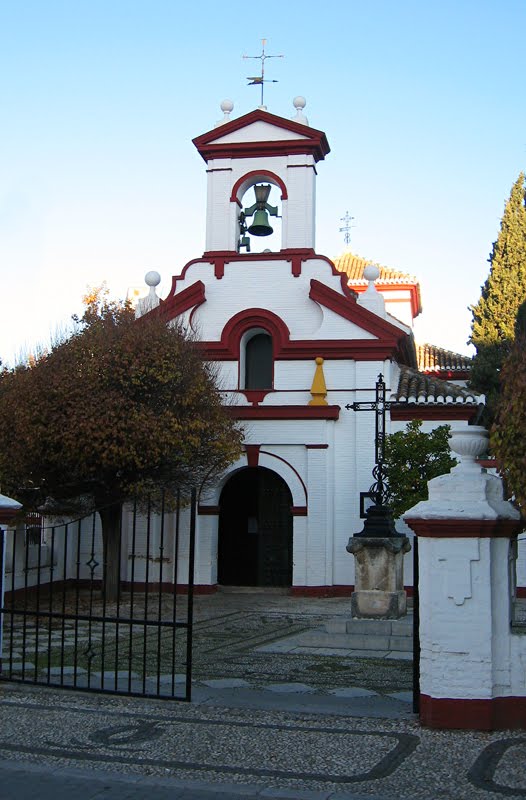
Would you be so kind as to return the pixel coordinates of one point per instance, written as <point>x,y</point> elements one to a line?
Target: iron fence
<point>60,625</point>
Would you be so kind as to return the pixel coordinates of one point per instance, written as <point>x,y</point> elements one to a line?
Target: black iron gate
<point>60,625</point>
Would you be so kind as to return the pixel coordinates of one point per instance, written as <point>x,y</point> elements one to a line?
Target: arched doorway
<point>255,530</point>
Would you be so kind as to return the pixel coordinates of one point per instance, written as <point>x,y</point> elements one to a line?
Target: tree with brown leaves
<point>122,408</point>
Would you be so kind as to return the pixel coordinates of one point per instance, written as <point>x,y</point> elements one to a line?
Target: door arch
<point>255,530</point>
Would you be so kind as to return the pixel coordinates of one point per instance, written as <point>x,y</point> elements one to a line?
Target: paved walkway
<point>262,724</point>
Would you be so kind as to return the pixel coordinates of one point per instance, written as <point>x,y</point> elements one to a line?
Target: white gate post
<point>8,509</point>
<point>472,664</point>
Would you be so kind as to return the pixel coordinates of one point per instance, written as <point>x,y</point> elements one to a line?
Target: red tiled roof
<point>389,279</point>
<point>354,266</point>
<point>415,387</point>
<point>432,359</point>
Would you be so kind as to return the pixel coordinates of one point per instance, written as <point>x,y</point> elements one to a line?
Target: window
<point>34,530</point>
<point>258,366</point>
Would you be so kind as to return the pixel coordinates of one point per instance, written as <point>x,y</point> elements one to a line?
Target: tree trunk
<point>111,539</point>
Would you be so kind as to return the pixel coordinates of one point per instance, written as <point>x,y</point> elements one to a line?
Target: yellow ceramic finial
<point>318,389</point>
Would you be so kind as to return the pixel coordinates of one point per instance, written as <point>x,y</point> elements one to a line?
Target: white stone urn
<point>469,443</point>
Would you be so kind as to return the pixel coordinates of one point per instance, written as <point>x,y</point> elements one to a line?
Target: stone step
<point>363,634</point>
<point>353,641</point>
<point>373,627</point>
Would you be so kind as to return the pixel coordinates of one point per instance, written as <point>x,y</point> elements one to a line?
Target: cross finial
<point>346,230</point>
<point>260,80</point>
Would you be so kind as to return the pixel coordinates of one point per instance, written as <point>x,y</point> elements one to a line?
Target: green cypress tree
<point>492,330</point>
<point>508,433</point>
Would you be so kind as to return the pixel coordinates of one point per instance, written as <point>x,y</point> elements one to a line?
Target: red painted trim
<point>498,713</point>
<point>488,463</point>
<point>252,451</point>
<point>283,412</point>
<point>314,142</point>
<point>207,511</point>
<point>521,591</point>
<point>241,323</point>
<point>435,411</point>
<point>264,173</point>
<point>177,304</point>
<point>221,257</point>
<point>255,396</point>
<point>296,266</point>
<point>322,591</point>
<point>293,469</point>
<point>7,514</point>
<point>306,350</point>
<point>219,268</point>
<point>317,446</point>
<point>353,312</point>
<point>279,147</point>
<point>458,528</point>
<point>165,586</point>
<point>227,349</point>
<point>299,511</point>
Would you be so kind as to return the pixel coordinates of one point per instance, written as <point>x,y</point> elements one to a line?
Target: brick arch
<point>254,318</point>
<point>243,183</point>
<point>273,462</point>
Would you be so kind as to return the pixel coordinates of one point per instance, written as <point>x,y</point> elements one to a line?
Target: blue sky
<point>422,103</point>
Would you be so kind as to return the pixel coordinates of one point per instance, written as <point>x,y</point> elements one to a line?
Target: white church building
<point>294,345</point>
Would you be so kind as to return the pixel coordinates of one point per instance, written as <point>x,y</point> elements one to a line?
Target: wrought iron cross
<point>261,80</point>
<point>379,405</point>
<point>347,227</point>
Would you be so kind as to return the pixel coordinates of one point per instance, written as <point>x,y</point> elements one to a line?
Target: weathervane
<point>260,80</point>
<point>347,227</point>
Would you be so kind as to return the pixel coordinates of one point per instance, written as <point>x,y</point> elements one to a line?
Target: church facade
<point>294,345</point>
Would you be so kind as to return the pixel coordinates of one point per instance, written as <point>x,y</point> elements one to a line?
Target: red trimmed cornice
<point>295,256</point>
<point>459,528</point>
<point>313,142</point>
<point>283,412</point>
<point>227,349</point>
<point>177,304</point>
<point>353,312</point>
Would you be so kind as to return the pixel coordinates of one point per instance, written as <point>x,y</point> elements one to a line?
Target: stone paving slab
<point>99,747</point>
<point>352,736</point>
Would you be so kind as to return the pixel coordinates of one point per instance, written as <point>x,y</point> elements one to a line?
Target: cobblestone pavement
<point>262,724</point>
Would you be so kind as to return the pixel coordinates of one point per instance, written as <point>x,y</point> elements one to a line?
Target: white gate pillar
<point>472,663</point>
<point>8,509</point>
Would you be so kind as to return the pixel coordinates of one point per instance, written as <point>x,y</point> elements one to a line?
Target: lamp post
<point>378,518</point>
<point>379,548</point>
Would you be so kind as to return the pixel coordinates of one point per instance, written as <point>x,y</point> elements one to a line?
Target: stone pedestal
<point>379,576</point>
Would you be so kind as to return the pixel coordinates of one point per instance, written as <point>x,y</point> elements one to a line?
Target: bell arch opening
<point>260,216</point>
<point>255,530</point>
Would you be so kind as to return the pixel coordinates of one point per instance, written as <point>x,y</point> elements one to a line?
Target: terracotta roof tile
<point>416,387</point>
<point>436,359</point>
<point>354,266</point>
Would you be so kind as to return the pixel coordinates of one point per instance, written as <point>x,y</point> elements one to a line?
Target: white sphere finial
<point>371,272</point>
<point>152,278</point>
<point>226,107</point>
<point>299,104</point>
